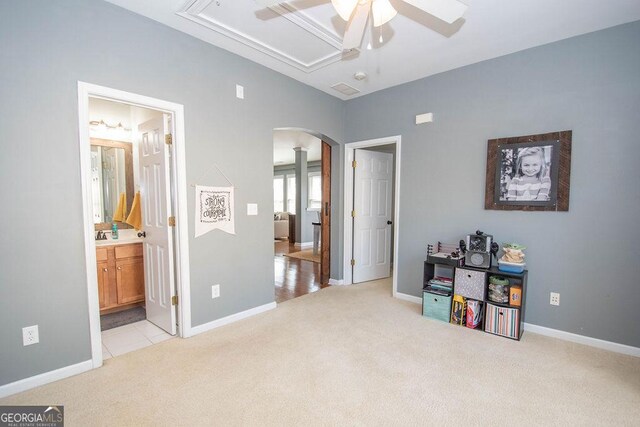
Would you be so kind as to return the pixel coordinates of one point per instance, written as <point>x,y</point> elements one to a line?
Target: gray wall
<point>46,48</point>
<point>589,84</point>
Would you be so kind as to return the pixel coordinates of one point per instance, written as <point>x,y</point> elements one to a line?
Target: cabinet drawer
<point>101,254</point>
<point>128,251</point>
<point>436,306</point>
<point>502,321</point>
<point>470,283</point>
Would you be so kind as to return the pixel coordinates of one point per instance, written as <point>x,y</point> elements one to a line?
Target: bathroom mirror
<point>111,175</point>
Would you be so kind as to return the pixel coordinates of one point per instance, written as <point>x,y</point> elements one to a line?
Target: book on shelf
<point>431,290</point>
<point>440,282</point>
<point>439,287</point>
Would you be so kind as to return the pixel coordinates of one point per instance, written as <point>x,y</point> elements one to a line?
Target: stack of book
<point>440,285</point>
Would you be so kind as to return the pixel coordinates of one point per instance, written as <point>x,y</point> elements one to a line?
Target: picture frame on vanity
<point>529,173</point>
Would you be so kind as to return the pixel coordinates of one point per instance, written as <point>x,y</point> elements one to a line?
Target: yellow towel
<point>121,209</point>
<point>135,216</point>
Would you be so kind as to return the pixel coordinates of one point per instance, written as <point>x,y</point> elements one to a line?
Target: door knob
<point>104,269</point>
<point>142,234</point>
<point>389,223</point>
<point>119,268</point>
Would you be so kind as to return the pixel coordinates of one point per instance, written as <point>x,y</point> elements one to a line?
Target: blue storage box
<point>511,267</point>
<point>436,306</point>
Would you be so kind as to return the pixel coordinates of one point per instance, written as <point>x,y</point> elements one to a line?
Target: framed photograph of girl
<point>529,172</point>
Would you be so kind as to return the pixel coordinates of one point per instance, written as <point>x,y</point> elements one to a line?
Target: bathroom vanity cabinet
<point>120,276</point>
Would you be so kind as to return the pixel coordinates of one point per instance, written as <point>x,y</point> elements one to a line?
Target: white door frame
<point>349,150</point>
<point>85,91</point>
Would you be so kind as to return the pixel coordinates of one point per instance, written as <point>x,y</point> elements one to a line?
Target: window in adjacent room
<point>291,194</point>
<point>278,194</point>
<point>315,190</point>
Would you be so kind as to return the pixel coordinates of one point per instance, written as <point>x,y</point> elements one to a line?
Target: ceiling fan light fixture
<point>344,8</point>
<point>382,12</point>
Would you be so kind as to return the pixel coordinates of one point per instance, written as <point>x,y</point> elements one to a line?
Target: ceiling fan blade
<point>267,3</point>
<point>344,8</point>
<point>382,12</point>
<point>447,10</point>
<point>355,29</point>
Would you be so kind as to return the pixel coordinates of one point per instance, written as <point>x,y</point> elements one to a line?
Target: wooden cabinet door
<point>130,280</point>
<point>103,283</point>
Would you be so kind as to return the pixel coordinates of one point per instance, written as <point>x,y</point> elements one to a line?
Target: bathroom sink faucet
<point>101,235</point>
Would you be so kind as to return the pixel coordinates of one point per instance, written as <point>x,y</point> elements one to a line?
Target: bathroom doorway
<point>132,161</point>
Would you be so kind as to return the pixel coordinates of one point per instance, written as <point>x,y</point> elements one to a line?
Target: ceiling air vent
<point>345,89</point>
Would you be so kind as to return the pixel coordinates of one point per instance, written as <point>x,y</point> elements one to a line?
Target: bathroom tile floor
<point>134,336</point>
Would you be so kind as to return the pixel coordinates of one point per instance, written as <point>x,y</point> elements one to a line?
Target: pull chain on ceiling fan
<point>356,13</point>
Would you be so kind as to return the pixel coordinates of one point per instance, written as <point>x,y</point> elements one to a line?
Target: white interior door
<point>155,195</point>
<point>372,202</point>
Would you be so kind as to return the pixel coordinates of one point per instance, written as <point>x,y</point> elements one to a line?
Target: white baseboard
<point>46,378</point>
<point>304,245</point>
<point>232,318</point>
<point>555,333</point>
<point>336,282</point>
<point>410,298</point>
<point>581,339</point>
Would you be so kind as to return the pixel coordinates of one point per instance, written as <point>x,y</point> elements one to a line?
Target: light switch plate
<point>424,118</point>
<point>252,209</point>
<point>239,92</point>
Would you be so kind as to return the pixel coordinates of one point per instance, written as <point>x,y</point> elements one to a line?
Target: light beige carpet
<point>351,356</point>
<point>306,255</point>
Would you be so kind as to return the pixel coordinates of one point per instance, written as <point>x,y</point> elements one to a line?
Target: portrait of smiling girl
<point>531,181</point>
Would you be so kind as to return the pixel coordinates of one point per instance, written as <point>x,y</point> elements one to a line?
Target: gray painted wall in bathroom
<point>47,47</point>
<point>588,84</point>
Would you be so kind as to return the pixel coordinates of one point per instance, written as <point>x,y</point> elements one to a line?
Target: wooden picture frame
<point>529,173</point>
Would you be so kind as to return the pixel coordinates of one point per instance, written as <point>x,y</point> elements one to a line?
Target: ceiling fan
<point>356,13</point>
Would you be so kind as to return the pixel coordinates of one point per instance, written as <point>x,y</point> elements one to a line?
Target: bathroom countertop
<point>126,236</point>
<point>120,241</point>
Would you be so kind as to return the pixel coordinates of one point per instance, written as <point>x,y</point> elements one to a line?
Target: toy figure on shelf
<point>513,252</point>
<point>513,258</point>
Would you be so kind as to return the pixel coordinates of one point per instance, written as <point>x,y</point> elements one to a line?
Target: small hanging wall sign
<point>214,210</point>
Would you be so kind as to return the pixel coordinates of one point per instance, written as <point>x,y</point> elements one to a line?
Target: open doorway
<point>132,163</point>
<point>302,213</point>
<point>372,188</point>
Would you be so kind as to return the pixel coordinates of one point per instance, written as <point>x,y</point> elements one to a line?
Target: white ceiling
<point>284,142</point>
<point>302,39</point>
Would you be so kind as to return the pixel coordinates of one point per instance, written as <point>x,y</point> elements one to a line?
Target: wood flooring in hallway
<point>294,277</point>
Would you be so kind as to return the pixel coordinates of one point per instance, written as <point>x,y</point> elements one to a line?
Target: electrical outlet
<point>554,298</point>
<point>215,291</point>
<point>30,335</point>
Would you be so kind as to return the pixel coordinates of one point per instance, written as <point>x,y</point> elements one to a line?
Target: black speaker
<point>478,250</point>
